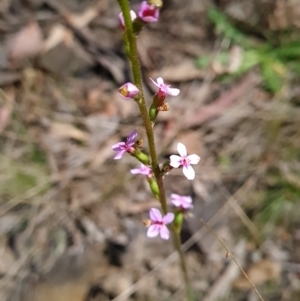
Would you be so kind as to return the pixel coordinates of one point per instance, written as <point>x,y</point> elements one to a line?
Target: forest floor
<point>71,217</point>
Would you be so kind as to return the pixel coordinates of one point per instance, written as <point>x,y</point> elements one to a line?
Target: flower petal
<point>135,171</point>
<point>117,147</point>
<point>181,149</point>
<point>193,159</point>
<point>189,172</point>
<point>154,82</point>
<point>155,215</point>
<point>168,218</point>
<point>173,91</point>
<point>160,81</point>
<point>175,161</point>
<point>132,136</point>
<point>153,230</point>
<point>119,155</point>
<point>164,232</point>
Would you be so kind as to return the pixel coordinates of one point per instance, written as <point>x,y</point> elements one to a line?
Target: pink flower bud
<point>148,13</point>
<point>121,18</point>
<point>129,91</point>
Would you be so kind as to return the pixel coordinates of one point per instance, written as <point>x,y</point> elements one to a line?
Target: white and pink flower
<point>164,89</point>
<point>143,170</point>
<point>185,161</point>
<point>181,201</point>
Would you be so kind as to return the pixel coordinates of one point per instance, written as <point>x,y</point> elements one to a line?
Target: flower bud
<point>154,187</point>
<point>142,157</point>
<point>129,91</point>
<point>148,13</point>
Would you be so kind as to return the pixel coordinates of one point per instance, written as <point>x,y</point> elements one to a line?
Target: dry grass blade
<point>229,254</point>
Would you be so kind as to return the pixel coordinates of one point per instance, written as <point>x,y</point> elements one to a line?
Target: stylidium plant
<point>168,221</point>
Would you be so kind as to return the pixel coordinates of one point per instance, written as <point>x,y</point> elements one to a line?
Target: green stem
<point>137,76</point>
<point>177,245</point>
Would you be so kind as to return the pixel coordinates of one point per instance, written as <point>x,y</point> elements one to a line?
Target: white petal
<point>193,159</point>
<point>181,149</point>
<point>175,161</point>
<point>154,82</point>
<point>164,232</point>
<point>173,91</point>
<point>189,172</point>
<point>153,230</point>
<point>160,81</point>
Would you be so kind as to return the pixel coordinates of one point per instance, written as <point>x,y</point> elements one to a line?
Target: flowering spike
<point>122,147</point>
<point>129,91</point>
<point>182,202</point>
<point>157,224</point>
<point>184,161</point>
<point>121,18</point>
<point>148,13</point>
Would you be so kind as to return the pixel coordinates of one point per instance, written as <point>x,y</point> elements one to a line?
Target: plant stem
<point>177,245</point>
<point>137,76</point>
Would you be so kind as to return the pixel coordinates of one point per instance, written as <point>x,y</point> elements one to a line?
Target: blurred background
<point>71,217</point>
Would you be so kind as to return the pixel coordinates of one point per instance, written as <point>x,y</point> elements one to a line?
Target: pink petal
<point>173,91</point>
<point>189,172</point>
<point>175,196</point>
<point>132,136</point>
<point>155,215</point>
<point>181,149</point>
<point>118,146</point>
<point>119,155</point>
<point>193,159</point>
<point>175,161</point>
<point>153,230</point>
<point>168,218</point>
<point>164,232</point>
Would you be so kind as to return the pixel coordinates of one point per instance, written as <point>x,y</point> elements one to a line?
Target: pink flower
<point>122,147</point>
<point>121,18</point>
<point>181,201</point>
<point>158,224</point>
<point>143,170</point>
<point>148,13</point>
<point>164,89</point>
<point>185,161</point>
<point>129,91</point>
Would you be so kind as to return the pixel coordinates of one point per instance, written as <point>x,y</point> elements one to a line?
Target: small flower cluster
<point>157,224</point>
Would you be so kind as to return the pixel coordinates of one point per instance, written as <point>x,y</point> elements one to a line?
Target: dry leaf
<point>65,130</point>
<point>26,43</point>
<point>5,114</point>
<point>184,71</point>
<point>58,34</point>
<point>259,273</point>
